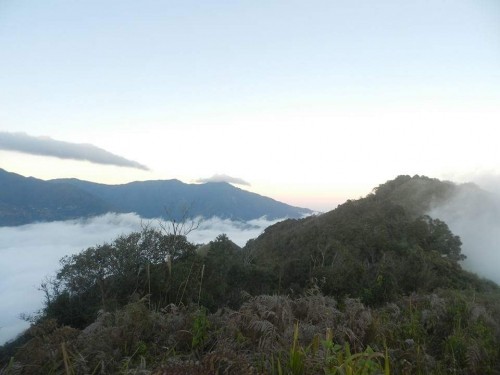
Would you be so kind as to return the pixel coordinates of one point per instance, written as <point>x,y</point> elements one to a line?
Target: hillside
<point>374,286</point>
<point>374,247</point>
<point>151,199</point>
<point>26,200</point>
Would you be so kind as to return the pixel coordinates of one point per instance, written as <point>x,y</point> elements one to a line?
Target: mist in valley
<point>31,253</point>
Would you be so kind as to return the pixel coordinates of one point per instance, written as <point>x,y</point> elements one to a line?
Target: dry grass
<point>311,334</point>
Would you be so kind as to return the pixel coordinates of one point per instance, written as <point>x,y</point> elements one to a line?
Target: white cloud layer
<point>22,142</point>
<point>224,178</point>
<point>30,253</point>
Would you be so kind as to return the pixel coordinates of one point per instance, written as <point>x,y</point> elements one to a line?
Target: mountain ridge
<point>386,241</point>
<point>25,200</point>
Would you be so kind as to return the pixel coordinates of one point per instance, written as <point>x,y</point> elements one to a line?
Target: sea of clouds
<point>31,253</point>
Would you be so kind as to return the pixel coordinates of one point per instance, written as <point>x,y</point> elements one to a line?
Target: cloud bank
<point>474,215</point>
<point>22,142</point>
<point>224,178</point>
<point>30,253</point>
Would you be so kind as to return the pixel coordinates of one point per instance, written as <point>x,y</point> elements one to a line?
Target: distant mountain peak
<point>24,200</point>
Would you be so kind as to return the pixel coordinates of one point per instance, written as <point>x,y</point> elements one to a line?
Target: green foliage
<point>340,361</point>
<point>201,326</point>
<point>297,355</point>
<point>375,248</point>
<point>107,276</point>
<point>380,278</point>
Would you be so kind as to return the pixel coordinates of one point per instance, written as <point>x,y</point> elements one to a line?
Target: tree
<point>435,235</point>
<point>108,275</point>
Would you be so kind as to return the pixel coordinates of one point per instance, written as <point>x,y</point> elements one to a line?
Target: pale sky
<point>311,102</point>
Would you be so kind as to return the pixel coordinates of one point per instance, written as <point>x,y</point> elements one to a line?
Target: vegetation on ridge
<point>373,287</point>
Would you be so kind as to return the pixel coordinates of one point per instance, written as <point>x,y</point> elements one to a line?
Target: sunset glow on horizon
<point>311,103</point>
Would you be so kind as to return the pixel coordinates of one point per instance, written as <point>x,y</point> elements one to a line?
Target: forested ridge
<point>375,286</point>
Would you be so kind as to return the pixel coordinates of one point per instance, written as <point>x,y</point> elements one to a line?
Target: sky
<point>308,102</point>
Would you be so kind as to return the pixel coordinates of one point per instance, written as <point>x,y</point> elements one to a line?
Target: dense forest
<point>375,286</point>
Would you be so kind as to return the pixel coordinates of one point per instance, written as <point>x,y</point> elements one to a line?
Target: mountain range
<point>25,200</point>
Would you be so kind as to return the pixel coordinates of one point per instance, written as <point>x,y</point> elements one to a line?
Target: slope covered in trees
<point>375,248</point>
<point>375,286</point>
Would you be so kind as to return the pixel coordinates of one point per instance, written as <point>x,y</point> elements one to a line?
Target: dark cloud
<point>22,142</point>
<point>224,178</point>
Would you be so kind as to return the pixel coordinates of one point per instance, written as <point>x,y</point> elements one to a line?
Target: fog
<point>474,215</point>
<point>30,253</point>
